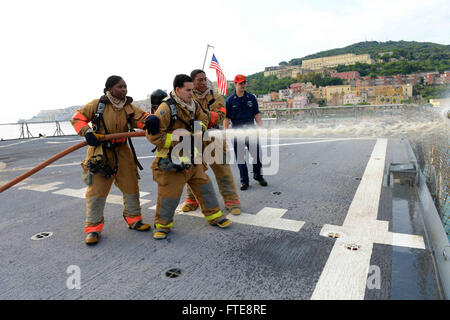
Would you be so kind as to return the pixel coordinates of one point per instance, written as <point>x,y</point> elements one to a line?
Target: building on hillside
<point>275,105</point>
<point>365,82</point>
<point>266,98</point>
<point>430,77</point>
<point>290,72</point>
<point>317,93</point>
<point>392,94</point>
<point>299,101</point>
<point>335,94</point>
<point>285,94</point>
<point>365,93</point>
<point>437,78</point>
<point>274,96</point>
<point>308,86</point>
<point>396,80</point>
<point>383,80</point>
<point>299,71</point>
<point>285,71</point>
<point>411,79</point>
<point>300,88</point>
<point>446,76</point>
<point>389,94</point>
<point>271,71</point>
<point>336,99</point>
<point>296,88</point>
<point>334,61</point>
<point>350,75</point>
<point>407,90</point>
<point>351,98</point>
<point>443,78</point>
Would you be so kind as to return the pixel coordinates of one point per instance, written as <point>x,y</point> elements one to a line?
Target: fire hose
<point>66,152</point>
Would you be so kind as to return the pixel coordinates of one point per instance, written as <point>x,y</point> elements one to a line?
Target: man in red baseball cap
<point>240,78</point>
<point>242,111</point>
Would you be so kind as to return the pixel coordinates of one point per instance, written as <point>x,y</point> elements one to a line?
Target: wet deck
<point>279,248</point>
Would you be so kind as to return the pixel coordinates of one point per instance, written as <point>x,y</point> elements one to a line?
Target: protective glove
<point>91,139</point>
<point>152,124</point>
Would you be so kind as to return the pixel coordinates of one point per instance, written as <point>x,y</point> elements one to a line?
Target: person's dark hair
<point>111,82</point>
<point>180,79</point>
<point>195,72</point>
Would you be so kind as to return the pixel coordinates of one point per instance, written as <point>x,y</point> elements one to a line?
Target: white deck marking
<point>2,166</point>
<point>266,218</point>
<point>112,198</point>
<point>78,193</point>
<point>49,166</point>
<point>229,149</point>
<point>116,199</point>
<point>345,273</point>
<point>20,142</point>
<point>59,142</point>
<point>78,163</point>
<point>42,187</point>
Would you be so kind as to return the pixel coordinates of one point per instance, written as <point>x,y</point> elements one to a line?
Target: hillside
<point>392,57</point>
<point>396,57</point>
<point>410,50</point>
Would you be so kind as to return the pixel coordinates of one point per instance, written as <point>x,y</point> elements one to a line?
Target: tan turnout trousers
<point>99,186</point>
<point>170,189</point>
<point>126,178</point>
<point>214,103</point>
<point>225,182</point>
<point>170,183</point>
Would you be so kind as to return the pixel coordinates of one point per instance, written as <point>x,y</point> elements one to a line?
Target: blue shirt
<point>242,110</point>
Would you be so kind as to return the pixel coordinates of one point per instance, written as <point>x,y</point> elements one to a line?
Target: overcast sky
<point>56,54</point>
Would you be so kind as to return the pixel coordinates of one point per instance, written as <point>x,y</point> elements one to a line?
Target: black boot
<point>262,182</point>
<point>244,186</point>
<point>92,238</point>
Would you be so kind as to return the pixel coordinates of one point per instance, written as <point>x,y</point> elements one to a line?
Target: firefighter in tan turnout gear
<point>110,161</point>
<point>215,104</point>
<point>173,170</point>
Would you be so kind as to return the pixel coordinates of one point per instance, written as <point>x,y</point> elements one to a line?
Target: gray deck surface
<point>317,181</point>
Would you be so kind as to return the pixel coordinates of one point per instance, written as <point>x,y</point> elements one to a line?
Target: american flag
<point>222,83</point>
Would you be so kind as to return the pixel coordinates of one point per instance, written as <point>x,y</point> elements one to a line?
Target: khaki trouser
<point>99,186</point>
<point>224,178</point>
<point>227,189</point>
<point>170,189</point>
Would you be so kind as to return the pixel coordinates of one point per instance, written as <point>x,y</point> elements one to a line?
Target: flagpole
<point>204,60</point>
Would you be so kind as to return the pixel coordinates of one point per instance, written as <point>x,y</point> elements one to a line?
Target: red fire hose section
<point>66,152</point>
